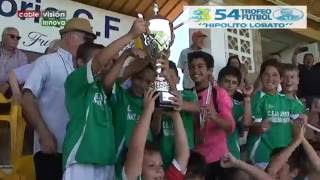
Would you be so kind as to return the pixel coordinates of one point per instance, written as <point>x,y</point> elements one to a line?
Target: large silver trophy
<point>157,42</point>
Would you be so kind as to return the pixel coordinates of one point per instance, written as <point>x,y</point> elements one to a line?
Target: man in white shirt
<point>43,98</point>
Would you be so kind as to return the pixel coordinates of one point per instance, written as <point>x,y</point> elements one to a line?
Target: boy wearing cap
<point>198,38</point>
<point>89,150</point>
<point>43,98</point>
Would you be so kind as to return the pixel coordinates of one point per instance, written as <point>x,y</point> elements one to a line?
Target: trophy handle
<point>140,16</point>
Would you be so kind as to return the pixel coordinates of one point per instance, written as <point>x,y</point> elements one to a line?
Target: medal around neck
<point>157,42</point>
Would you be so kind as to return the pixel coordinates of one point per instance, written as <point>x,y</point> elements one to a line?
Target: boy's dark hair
<point>270,62</point>
<point>203,55</point>
<point>173,66</point>
<point>233,57</point>
<point>233,174</point>
<point>85,50</point>
<point>148,67</point>
<point>288,67</point>
<point>307,54</point>
<point>230,71</point>
<point>152,147</point>
<point>196,164</point>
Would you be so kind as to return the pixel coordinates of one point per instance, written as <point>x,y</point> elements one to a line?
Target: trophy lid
<point>159,36</point>
<point>155,8</point>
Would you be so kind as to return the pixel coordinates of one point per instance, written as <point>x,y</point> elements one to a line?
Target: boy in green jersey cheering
<point>289,84</point>
<point>230,78</point>
<point>162,125</point>
<point>272,113</point>
<point>89,145</point>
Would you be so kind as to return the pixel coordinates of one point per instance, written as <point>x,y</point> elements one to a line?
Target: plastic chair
<point>13,177</point>
<point>24,168</point>
<point>17,127</point>
<point>21,126</point>
<point>2,174</point>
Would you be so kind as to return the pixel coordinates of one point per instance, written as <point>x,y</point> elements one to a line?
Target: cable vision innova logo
<point>288,14</point>
<point>201,15</point>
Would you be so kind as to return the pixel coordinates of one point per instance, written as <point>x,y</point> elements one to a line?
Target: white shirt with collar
<point>46,82</point>
<point>183,65</point>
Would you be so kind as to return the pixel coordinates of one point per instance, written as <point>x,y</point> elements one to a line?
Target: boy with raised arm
<point>144,160</point>
<point>89,145</point>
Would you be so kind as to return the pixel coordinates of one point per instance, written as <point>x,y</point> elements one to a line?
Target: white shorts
<point>88,172</point>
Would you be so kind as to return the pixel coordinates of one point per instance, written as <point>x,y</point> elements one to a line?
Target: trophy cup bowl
<point>157,42</point>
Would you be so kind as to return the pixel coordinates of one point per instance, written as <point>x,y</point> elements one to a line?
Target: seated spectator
<point>10,57</point>
<point>19,75</point>
<point>145,161</point>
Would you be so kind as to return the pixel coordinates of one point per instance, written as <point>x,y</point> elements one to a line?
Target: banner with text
<point>39,21</point>
<point>246,17</point>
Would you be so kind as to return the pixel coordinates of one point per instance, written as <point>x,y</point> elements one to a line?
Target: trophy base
<point>163,101</point>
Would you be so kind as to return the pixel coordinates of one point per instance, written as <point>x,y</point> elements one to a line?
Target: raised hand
<point>176,100</point>
<point>138,27</point>
<point>247,90</point>
<point>296,50</point>
<point>136,52</point>
<point>298,128</point>
<point>149,100</point>
<point>47,142</point>
<point>210,112</point>
<point>265,125</point>
<point>16,97</point>
<point>228,161</point>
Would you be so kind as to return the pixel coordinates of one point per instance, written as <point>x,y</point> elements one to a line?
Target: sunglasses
<point>85,36</point>
<point>14,37</point>
<point>88,38</point>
